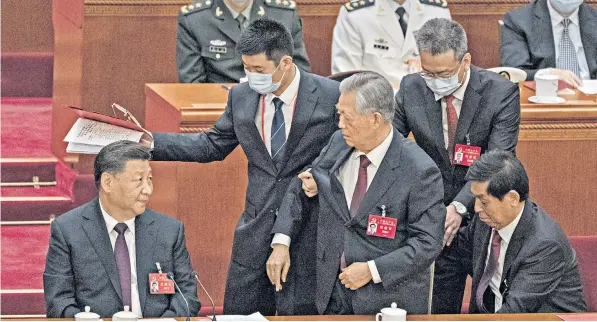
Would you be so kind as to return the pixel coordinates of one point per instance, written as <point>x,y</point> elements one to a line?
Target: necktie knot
<point>278,103</point>
<point>450,99</point>
<point>566,22</point>
<point>496,241</point>
<point>120,228</point>
<point>241,21</point>
<point>364,162</point>
<point>401,11</point>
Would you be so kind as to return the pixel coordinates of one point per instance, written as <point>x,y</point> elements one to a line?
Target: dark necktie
<point>452,124</point>
<point>360,190</point>
<point>123,261</point>
<point>567,59</point>
<point>241,21</point>
<point>401,11</point>
<point>278,134</point>
<point>490,270</point>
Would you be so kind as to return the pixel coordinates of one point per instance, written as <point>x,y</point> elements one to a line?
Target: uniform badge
<point>261,12</point>
<point>218,46</point>
<point>218,12</point>
<point>381,44</point>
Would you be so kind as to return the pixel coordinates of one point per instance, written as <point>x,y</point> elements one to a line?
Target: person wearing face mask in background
<point>282,118</point>
<point>208,31</point>
<point>552,36</point>
<point>452,106</point>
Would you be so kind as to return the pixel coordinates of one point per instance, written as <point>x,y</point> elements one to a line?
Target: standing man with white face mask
<point>281,118</point>
<point>552,36</point>
<point>209,30</point>
<point>455,111</point>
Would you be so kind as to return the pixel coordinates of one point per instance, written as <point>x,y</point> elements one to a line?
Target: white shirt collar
<point>379,152</point>
<point>246,12</point>
<point>459,93</point>
<point>506,232</point>
<point>111,222</point>
<point>405,5</point>
<point>556,17</point>
<point>291,91</point>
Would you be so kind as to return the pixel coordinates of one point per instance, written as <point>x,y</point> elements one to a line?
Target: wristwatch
<point>460,208</point>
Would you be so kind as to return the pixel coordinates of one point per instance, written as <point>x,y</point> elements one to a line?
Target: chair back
<point>586,255</point>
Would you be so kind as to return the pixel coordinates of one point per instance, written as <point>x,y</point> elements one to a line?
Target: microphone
<point>171,277</point>
<point>213,306</point>
<point>226,87</point>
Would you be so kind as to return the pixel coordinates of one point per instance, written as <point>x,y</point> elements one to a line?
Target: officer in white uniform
<point>369,35</point>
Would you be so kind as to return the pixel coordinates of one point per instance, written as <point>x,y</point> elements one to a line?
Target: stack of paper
<point>89,136</point>
<point>253,317</point>
<point>589,86</point>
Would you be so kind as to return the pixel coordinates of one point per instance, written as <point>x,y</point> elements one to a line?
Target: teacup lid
<point>88,315</point>
<point>393,310</point>
<point>125,315</point>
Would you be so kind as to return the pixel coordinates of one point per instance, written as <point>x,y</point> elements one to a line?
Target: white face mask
<point>263,83</point>
<point>444,86</point>
<point>565,7</point>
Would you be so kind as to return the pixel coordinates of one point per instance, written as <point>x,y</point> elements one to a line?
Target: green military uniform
<point>207,35</point>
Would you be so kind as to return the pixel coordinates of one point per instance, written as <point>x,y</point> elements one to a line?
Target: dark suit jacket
<point>81,268</point>
<point>313,123</point>
<point>540,268</point>
<point>409,184</point>
<point>490,116</point>
<point>206,42</point>
<point>527,38</point>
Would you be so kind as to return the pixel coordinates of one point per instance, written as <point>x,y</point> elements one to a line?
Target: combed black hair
<point>113,158</point>
<point>265,36</point>
<point>503,172</point>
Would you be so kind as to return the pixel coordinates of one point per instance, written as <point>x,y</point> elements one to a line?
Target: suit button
<point>279,179</point>
<point>272,211</point>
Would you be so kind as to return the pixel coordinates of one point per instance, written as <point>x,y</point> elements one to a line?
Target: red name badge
<point>159,283</point>
<point>466,154</point>
<point>379,226</point>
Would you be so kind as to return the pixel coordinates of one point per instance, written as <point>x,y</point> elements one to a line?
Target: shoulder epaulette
<point>196,6</point>
<point>358,4</point>
<point>284,4</point>
<point>435,3</point>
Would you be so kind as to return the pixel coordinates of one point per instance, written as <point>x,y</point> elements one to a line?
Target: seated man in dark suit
<point>453,106</point>
<point>367,174</point>
<point>520,258</point>
<point>102,253</point>
<point>552,36</point>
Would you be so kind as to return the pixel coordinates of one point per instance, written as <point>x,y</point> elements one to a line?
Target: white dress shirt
<point>129,237</point>
<point>457,102</point>
<point>574,31</point>
<point>506,234</point>
<point>395,7</point>
<point>348,175</point>
<point>289,98</point>
<point>246,12</point>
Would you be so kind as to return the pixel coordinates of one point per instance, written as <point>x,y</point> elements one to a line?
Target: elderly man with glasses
<point>455,111</point>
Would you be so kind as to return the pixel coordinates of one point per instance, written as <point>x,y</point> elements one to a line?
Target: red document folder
<point>106,119</point>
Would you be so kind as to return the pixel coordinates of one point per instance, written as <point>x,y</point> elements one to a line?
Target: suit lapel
<point>434,115</point>
<point>144,243</point>
<point>415,22</point>
<point>543,24</point>
<point>228,25</point>
<point>96,231</point>
<point>518,237</point>
<point>384,178</point>
<point>483,242</point>
<point>588,34</point>
<point>248,112</point>
<point>470,104</point>
<point>337,190</point>
<point>388,20</point>
<point>306,101</point>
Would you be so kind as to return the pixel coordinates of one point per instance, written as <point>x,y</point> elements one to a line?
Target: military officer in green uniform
<point>208,31</point>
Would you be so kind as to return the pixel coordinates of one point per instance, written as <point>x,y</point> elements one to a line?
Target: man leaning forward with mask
<point>458,112</point>
<point>282,118</point>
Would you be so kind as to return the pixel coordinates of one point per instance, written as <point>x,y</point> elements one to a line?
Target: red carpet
<point>26,127</point>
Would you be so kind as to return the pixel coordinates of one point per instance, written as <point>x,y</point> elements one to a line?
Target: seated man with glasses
<point>454,106</point>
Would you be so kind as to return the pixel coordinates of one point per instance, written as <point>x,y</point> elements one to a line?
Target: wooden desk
<point>209,198</point>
